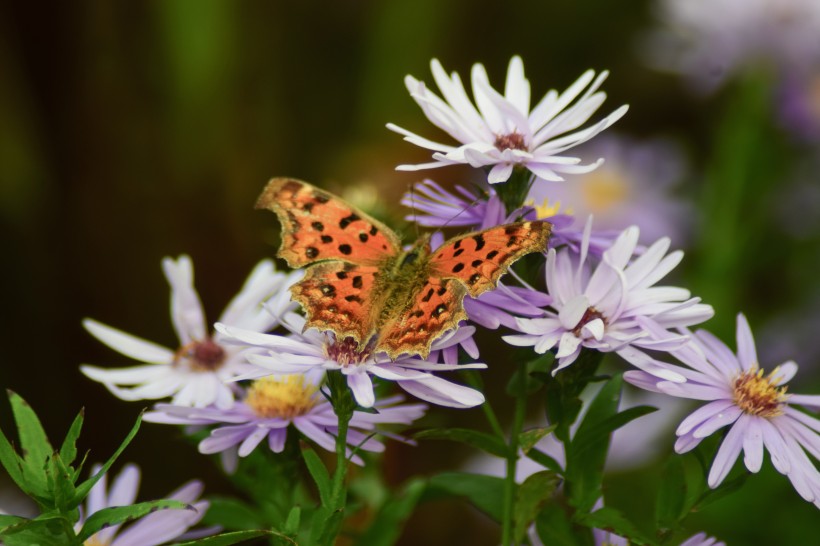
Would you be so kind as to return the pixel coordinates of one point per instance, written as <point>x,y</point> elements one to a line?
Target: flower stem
<point>474,381</point>
<point>514,191</point>
<point>512,456</point>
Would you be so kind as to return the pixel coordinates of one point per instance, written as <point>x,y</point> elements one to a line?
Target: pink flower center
<point>347,352</point>
<point>201,356</point>
<point>758,395</point>
<point>589,315</point>
<point>511,141</point>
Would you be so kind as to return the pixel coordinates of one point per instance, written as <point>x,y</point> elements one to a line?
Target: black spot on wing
<point>363,237</point>
<point>492,254</point>
<point>347,220</point>
<point>327,239</point>
<point>458,267</point>
<point>477,263</point>
<point>320,198</point>
<point>318,226</point>
<point>345,249</point>
<point>357,281</point>
<point>341,275</point>
<point>428,295</point>
<point>458,253</point>
<point>311,252</point>
<point>479,241</point>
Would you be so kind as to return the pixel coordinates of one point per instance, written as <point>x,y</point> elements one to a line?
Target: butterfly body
<point>360,284</point>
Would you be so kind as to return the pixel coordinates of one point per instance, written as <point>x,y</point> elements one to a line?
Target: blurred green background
<point>135,130</point>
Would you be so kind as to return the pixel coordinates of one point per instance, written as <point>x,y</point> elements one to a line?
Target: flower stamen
<point>201,356</point>
<point>589,315</point>
<point>511,141</point>
<point>347,353</point>
<point>283,397</point>
<point>759,395</point>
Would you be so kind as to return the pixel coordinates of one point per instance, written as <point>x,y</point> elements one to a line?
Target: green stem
<point>512,456</point>
<point>475,382</point>
<point>514,191</point>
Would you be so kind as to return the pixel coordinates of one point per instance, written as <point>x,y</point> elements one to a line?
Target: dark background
<point>130,131</point>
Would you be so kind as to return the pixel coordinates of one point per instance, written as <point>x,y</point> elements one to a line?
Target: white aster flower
<point>756,408</point>
<point>305,351</point>
<point>602,310</point>
<point>196,372</point>
<point>503,132</point>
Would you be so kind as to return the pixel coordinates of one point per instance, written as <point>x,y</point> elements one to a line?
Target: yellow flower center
<point>604,188</point>
<point>284,397</point>
<point>547,209</point>
<point>759,395</point>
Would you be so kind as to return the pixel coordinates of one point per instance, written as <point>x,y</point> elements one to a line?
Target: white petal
<point>131,346</point>
<point>186,309</point>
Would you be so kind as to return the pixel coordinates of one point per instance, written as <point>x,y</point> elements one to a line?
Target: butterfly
<point>360,284</point>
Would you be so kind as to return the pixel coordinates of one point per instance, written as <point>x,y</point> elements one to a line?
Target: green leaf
<point>114,515</point>
<point>232,514</point>
<point>546,461</point>
<point>485,492</point>
<point>726,488</point>
<point>530,497</point>
<point>669,505</point>
<point>528,438</point>
<point>68,451</point>
<point>61,484</point>
<point>479,440</point>
<point>562,402</point>
<point>6,520</point>
<point>84,488</point>
<point>45,530</point>
<point>535,370</point>
<point>555,528</point>
<point>588,438</point>
<point>34,444</point>
<point>609,519</point>
<point>293,521</point>
<point>586,453</point>
<point>389,522</point>
<point>226,539</point>
<point>319,473</point>
<point>12,462</point>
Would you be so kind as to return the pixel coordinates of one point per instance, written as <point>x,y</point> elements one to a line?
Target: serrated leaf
<point>554,528</point>
<point>61,484</point>
<point>43,531</point>
<point>226,539</point>
<point>319,473</point>
<point>113,515</point>
<point>84,488</point>
<point>609,519</point>
<point>484,492</point>
<point>479,440</point>
<point>34,443</point>
<point>68,451</point>
<point>232,514</point>
<point>389,522</point>
<point>530,497</point>
<point>671,499</point>
<point>529,438</point>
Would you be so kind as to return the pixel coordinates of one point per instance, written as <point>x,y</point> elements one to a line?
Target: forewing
<point>436,308</point>
<point>317,225</point>
<point>341,297</point>
<point>479,259</point>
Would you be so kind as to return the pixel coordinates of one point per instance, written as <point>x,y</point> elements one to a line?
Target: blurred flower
<point>304,351</point>
<point>756,407</point>
<point>600,310</point>
<point>709,40</point>
<point>194,374</point>
<point>273,403</point>
<point>156,528</point>
<point>503,132</point>
<point>631,188</point>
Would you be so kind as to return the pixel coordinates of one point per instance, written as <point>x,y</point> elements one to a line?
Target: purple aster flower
<point>305,351</point>
<point>503,132</point>
<point>633,187</point>
<point>600,309</point>
<point>156,528</point>
<point>196,372</point>
<point>756,408</point>
<point>273,403</point>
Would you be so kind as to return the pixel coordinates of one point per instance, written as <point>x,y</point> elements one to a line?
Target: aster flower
<point>600,310</point>
<point>632,187</point>
<point>503,132</point>
<point>302,352</point>
<point>195,373</point>
<point>273,403</point>
<point>757,409</point>
<point>156,528</point>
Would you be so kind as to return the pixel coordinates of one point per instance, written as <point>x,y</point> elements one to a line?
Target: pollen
<point>547,209</point>
<point>759,395</point>
<point>201,356</point>
<point>511,141</point>
<point>283,397</point>
<point>604,188</point>
<point>347,352</point>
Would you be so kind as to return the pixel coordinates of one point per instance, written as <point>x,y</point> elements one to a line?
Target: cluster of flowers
<point>602,294</point>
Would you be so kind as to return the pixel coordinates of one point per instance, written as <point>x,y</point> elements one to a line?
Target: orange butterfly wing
<point>436,308</point>
<point>317,225</point>
<point>479,259</point>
